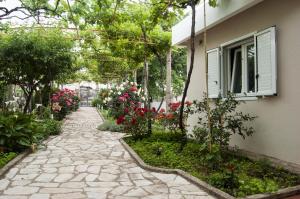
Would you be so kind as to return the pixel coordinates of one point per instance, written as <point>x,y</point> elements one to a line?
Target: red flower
<point>170,116</point>
<point>133,89</point>
<point>174,106</point>
<point>121,119</point>
<point>125,95</point>
<point>141,113</point>
<point>133,121</point>
<point>162,110</point>
<point>188,103</point>
<point>126,110</point>
<point>154,109</point>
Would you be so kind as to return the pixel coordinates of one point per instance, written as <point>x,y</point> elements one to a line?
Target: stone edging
<point>24,154</point>
<point>13,162</point>
<point>101,116</point>
<point>205,186</point>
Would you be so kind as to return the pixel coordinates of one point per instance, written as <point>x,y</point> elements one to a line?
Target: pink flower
<point>122,99</point>
<point>133,89</point>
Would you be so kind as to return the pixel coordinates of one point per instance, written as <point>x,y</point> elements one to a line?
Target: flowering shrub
<point>170,119</point>
<point>63,102</point>
<point>135,121</point>
<point>124,97</point>
<point>102,99</point>
<point>125,102</point>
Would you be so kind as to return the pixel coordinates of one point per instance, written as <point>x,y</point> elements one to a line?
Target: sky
<point>9,4</point>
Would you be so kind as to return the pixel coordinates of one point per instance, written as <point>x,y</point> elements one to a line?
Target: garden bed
<point>6,157</point>
<point>235,175</point>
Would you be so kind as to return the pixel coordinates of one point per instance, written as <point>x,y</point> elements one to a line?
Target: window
<point>245,66</point>
<point>239,65</point>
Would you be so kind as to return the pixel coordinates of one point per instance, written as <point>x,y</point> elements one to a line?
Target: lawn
<point>236,175</point>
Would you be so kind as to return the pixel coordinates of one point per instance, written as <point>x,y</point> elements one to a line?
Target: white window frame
<point>244,42</point>
<point>260,68</point>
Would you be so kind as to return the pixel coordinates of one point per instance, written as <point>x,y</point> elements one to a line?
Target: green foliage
<point>43,113</point>
<point>18,131</point>
<point>6,157</point>
<point>233,174</point>
<point>157,73</point>
<point>102,99</point>
<point>96,102</point>
<point>31,59</point>
<point>3,90</point>
<point>254,185</point>
<point>170,119</point>
<point>110,126</point>
<point>225,180</point>
<point>224,120</point>
<point>52,127</point>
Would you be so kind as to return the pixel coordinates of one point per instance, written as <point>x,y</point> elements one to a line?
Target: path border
<point>24,154</point>
<point>13,162</point>
<point>282,193</point>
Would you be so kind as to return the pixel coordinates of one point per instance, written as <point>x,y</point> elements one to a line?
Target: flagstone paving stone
<point>83,162</point>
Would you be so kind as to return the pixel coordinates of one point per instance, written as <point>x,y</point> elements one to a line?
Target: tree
<point>32,59</point>
<point>33,8</point>
<point>162,6</point>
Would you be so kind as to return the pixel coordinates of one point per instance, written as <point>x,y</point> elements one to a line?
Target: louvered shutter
<point>266,66</point>
<point>213,63</point>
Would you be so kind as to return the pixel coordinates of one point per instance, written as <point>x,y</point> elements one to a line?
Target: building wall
<point>278,123</point>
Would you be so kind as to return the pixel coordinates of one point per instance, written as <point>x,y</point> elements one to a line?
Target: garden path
<point>83,162</point>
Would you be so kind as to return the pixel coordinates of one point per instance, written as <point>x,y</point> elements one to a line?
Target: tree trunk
<point>187,83</point>
<point>146,91</point>
<point>28,100</point>
<point>206,70</point>
<point>146,78</point>
<point>169,80</point>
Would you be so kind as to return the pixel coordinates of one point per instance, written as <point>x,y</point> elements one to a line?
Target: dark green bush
<point>225,121</point>
<point>18,131</point>
<point>52,127</point>
<point>96,102</point>
<point>43,113</point>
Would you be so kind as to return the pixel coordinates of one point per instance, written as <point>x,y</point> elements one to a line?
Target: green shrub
<point>43,113</point>
<point>6,157</point>
<point>19,131</point>
<point>110,126</point>
<point>225,121</point>
<point>254,185</point>
<point>96,102</point>
<point>234,174</point>
<point>52,127</point>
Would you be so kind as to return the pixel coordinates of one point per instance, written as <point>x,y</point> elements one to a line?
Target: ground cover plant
<point>236,175</point>
<point>109,123</point>
<point>6,157</point>
<point>206,154</point>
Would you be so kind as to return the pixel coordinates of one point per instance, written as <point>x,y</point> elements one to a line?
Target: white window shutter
<point>266,66</point>
<point>213,64</point>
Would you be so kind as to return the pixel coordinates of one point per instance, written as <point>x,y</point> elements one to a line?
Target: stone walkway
<point>86,163</point>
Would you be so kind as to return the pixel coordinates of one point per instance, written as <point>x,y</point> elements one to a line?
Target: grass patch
<point>106,115</point>
<point>110,126</point>
<point>245,177</point>
<point>6,157</point>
